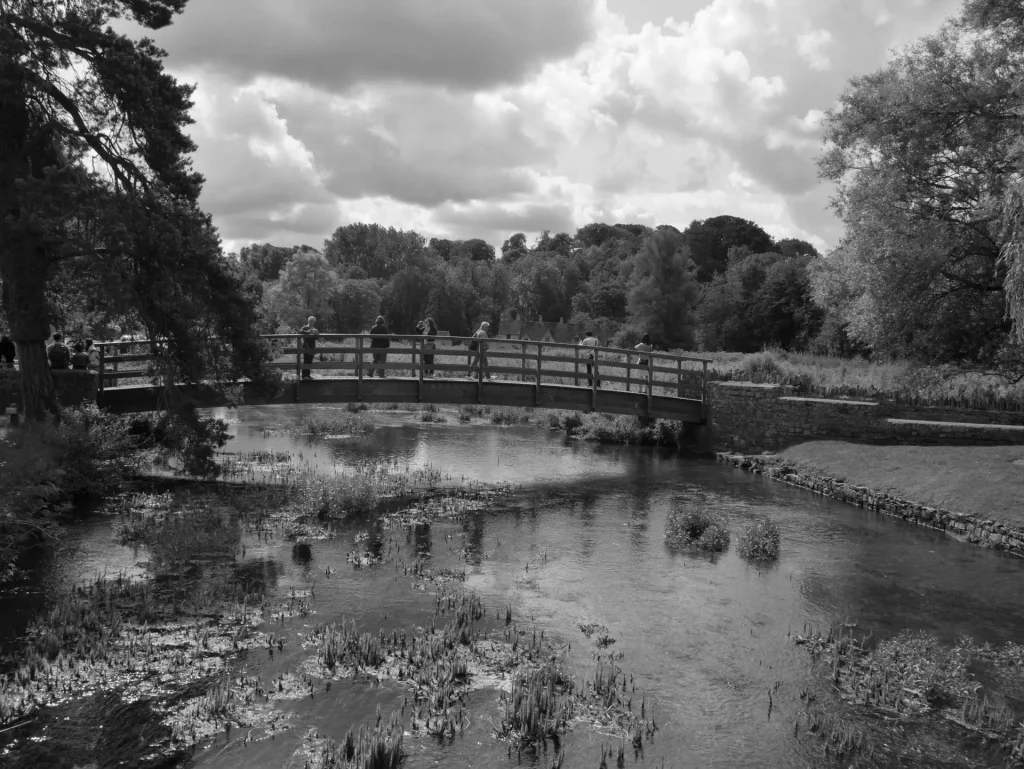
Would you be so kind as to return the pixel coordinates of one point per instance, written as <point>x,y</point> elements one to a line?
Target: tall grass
<point>325,423</point>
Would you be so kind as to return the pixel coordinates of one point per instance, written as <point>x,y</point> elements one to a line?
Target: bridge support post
<point>577,380</point>
<point>650,384</point>
<point>593,382</point>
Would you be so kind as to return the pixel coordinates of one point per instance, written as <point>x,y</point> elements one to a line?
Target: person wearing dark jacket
<point>429,332</point>
<point>309,334</point>
<point>8,352</point>
<point>378,344</point>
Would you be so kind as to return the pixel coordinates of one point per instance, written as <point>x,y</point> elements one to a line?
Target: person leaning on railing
<point>309,334</point>
<point>58,354</point>
<point>94,355</point>
<point>591,341</point>
<point>378,344</point>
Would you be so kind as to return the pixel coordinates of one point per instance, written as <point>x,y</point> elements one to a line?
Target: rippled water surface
<point>583,541</point>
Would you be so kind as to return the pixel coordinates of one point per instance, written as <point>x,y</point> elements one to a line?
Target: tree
<point>376,251</point>
<point>516,243</point>
<point>795,247</point>
<point>308,286</point>
<point>475,249</point>
<point>356,303</point>
<point>709,241</point>
<point>94,161</point>
<point>663,291</point>
<point>265,261</point>
<point>923,155</point>
<point>760,300</point>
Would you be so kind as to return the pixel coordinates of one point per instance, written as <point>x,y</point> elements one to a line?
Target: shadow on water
<point>582,543</point>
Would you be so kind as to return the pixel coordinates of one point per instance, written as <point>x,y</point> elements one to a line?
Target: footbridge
<point>510,372</point>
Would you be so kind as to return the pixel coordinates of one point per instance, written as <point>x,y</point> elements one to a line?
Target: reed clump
<point>697,526</point>
<point>376,747</point>
<point>333,423</point>
<point>760,540</point>
<point>509,416</point>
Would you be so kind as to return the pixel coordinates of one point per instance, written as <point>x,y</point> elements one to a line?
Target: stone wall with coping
<point>753,418</point>
<point>74,387</point>
<point>970,528</point>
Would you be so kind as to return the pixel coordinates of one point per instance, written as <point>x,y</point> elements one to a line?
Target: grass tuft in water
<point>379,747</point>
<point>509,416</point>
<point>760,540</point>
<point>337,424</point>
<point>697,526</point>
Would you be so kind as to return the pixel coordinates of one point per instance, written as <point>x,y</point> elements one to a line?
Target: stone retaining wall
<point>951,414</point>
<point>752,418</point>
<point>970,528</point>
<point>74,387</point>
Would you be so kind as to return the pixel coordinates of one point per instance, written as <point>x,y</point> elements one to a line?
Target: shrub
<point>571,422</point>
<point>698,527</point>
<point>763,367</point>
<point>760,540</point>
<point>432,416</point>
<point>352,408</point>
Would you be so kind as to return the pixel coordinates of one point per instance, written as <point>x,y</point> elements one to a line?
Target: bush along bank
<point>963,526</point>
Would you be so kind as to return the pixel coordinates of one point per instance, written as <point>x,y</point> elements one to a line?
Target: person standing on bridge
<point>58,353</point>
<point>429,332</point>
<point>378,344</point>
<point>644,349</point>
<point>309,334</point>
<point>591,341</point>
<point>478,351</point>
<point>94,355</point>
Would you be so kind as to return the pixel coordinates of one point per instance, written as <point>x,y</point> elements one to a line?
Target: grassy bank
<point>986,481</point>
<point>858,377</point>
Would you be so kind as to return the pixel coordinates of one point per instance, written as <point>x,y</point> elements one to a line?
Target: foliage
<point>924,153</point>
<point>759,541</point>
<point>759,300</point>
<point>710,240</point>
<point>697,526</point>
<point>307,286</point>
<point>663,291</point>
<point>331,424</point>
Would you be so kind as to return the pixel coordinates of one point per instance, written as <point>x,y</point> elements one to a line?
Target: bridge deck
<point>135,398</point>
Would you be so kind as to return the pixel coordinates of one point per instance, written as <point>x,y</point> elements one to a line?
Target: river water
<point>581,541</point>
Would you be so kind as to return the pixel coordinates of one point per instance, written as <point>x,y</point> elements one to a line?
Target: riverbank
<point>973,493</point>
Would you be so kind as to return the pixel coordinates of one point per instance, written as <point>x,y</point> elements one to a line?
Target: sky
<point>478,119</point>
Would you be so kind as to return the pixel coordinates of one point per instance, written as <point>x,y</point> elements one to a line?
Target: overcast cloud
<point>462,118</point>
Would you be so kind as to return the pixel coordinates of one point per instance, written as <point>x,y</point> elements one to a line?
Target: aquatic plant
<point>379,747</point>
<point>330,423</point>
<point>195,529</point>
<point>759,541</point>
<point>697,526</point>
<point>509,416</point>
<point>539,706</point>
<point>357,406</point>
<point>432,416</point>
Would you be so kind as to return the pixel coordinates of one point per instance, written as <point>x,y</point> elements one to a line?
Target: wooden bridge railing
<point>352,355</point>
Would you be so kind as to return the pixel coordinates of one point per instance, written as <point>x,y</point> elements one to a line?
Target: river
<point>581,541</point>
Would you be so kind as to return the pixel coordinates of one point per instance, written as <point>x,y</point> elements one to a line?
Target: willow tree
<point>95,166</point>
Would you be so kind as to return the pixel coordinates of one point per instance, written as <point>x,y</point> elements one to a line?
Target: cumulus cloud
<point>812,48</point>
<point>469,119</point>
<point>333,45</point>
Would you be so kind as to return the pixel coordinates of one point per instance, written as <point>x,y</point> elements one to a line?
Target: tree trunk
<point>25,273</point>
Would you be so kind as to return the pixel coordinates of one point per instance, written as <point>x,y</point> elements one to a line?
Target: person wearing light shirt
<point>590,341</point>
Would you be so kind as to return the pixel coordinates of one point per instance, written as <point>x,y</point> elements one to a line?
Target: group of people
<point>83,355</point>
<point>477,359</point>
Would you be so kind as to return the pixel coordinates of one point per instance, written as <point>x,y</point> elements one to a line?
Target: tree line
<point>720,284</point>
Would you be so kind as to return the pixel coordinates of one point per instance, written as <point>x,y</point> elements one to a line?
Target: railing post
<point>650,382</point>
<point>704,393</point>
<point>536,387</point>
<point>103,374</point>
<point>417,356</point>
<point>593,383</point>
<point>629,371</point>
<point>679,377</point>
<point>479,370</point>
<point>522,351</point>
<point>359,367</point>
<point>298,358</point>
<point>577,351</point>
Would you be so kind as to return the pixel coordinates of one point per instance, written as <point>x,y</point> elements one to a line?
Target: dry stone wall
<point>753,418</point>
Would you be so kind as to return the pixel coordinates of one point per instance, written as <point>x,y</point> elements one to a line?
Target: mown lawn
<point>982,480</point>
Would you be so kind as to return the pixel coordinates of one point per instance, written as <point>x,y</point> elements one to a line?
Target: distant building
<point>545,331</point>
